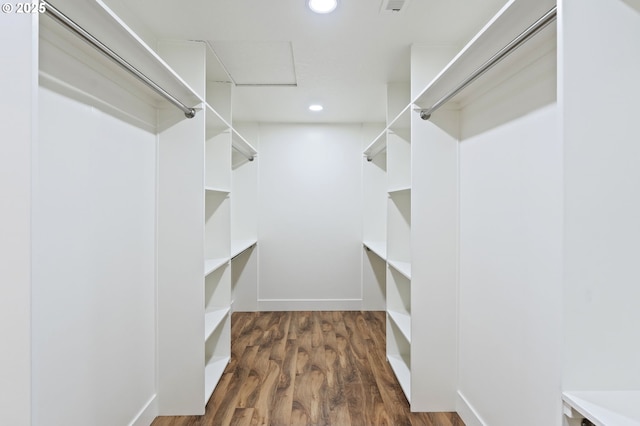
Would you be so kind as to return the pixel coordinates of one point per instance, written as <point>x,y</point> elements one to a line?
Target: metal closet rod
<point>63,19</point>
<point>536,27</point>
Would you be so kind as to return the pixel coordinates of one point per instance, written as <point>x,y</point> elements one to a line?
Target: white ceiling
<point>342,60</point>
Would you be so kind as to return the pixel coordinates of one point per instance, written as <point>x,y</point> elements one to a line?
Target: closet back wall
<point>310,217</point>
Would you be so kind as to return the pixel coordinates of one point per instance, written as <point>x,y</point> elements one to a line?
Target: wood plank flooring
<point>309,368</point>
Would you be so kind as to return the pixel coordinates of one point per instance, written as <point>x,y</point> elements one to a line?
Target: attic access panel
<point>257,63</point>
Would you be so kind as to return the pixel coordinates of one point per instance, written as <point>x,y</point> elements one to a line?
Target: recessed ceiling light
<point>316,107</point>
<point>322,6</point>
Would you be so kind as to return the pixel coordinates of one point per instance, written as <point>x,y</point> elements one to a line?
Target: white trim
<point>147,415</point>
<point>467,413</point>
<point>310,304</point>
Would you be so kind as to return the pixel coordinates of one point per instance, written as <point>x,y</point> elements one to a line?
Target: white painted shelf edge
<point>238,141</point>
<point>403,267</point>
<point>393,191</point>
<point>378,145</point>
<point>212,319</point>
<point>139,49</point>
<point>402,321</point>
<point>401,370</point>
<point>397,122</point>
<point>211,265</point>
<point>238,246</point>
<point>378,247</point>
<point>513,18</point>
<point>225,123</point>
<point>606,408</point>
<point>212,189</point>
<point>212,373</point>
<point>241,144</point>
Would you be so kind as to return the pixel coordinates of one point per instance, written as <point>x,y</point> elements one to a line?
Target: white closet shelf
<point>212,373</point>
<point>393,191</point>
<point>378,247</point>
<point>242,145</point>
<point>238,246</point>
<point>378,145</point>
<point>211,265</point>
<point>402,121</point>
<point>403,267</point>
<point>606,408</point>
<point>215,123</point>
<point>402,321</point>
<point>213,189</point>
<point>402,372</point>
<point>212,319</point>
<point>507,24</point>
<point>110,29</point>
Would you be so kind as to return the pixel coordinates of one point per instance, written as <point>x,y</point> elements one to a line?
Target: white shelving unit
<point>434,157</point>
<point>224,144</point>
<point>420,266</point>
<point>387,231</point>
<point>398,278</point>
<point>219,150</point>
<point>524,114</point>
<point>534,99</point>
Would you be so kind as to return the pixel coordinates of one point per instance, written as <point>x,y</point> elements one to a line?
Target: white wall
<point>93,267</point>
<point>602,179</point>
<point>510,253</point>
<point>19,91</point>
<point>310,217</point>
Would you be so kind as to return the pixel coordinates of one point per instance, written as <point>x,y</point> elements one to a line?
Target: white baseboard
<point>310,305</point>
<point>467,413</point>
<point>147,415</point>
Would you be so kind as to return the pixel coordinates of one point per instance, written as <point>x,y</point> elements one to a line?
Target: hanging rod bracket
<point>191,113</point>
<point>424,114</point>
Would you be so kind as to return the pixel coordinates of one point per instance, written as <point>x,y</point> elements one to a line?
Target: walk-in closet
<point>382,212</point>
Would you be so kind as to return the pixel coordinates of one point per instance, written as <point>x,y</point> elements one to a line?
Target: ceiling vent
<point>392,5</point>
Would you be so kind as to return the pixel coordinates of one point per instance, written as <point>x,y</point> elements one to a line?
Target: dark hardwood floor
<point>309,368</point>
